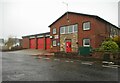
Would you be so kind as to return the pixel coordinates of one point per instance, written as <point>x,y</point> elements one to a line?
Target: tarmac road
<point>19,67</point>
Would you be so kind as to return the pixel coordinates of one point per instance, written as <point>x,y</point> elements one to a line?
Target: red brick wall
<point>25,43</point>
<point>97,33</point>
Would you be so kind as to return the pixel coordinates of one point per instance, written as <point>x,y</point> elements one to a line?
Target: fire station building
<point>37,41</point>
<point>73,30</point>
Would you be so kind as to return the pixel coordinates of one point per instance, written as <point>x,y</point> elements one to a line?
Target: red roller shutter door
<point>41,43</point>
<point>33,43</point>
<point>47,43</point>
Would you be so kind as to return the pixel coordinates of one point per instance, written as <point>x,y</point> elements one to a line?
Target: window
<point>70,29</point>
<point>86,42</point>
<point>62,30</point>
<point>54,30</point>
<point>54,43</point>
<point>66,29</point>
<point>86,26</point>
<point>75,28</point>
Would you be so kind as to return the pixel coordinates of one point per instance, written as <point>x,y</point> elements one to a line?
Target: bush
<point>109,46</point>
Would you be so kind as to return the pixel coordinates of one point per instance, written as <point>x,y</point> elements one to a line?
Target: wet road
<point>18,67</point>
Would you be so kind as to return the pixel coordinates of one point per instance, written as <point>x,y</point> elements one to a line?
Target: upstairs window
<point>54,30</point>
<point>66,29</point>
<point>86,42</point>
<point>75,28</point>
<point>62,30</point>
<point>71,29</point>
<point>86,26</point>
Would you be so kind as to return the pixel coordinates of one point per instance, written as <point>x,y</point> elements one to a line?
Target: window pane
<point>75,28</point>
<point>62,30</point>
<point>54,31</point>
<point>86,42</point>
<point>54,42</point>
<point>71,29</point>
<point>66,29</point>
<point>86,26</point>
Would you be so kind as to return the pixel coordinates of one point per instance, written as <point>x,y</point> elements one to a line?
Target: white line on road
<point>57,59</point>
<point>67,61</point>
<point>46,58</point>
<point>39,57</point>
<point>110,66</point>
<point>86,63</point>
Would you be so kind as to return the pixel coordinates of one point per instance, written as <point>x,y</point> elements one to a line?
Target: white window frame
<point>69,29</point>
<point>84,25</point>
<point>54,30</point>
<point>63,30</point>
<point>74,28</point>
<point>54,43</point>
<point>84,41</point>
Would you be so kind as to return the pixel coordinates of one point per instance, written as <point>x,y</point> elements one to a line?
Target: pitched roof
<point>95,16</point>
<point>36,34</point>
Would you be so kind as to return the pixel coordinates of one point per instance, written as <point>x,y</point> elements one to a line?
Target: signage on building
<point>40,36</point>
<point>32,37</point>
<point>47,35</point>
<point>56,37</point>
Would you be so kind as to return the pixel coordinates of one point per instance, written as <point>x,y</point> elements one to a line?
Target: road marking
<point>47,58</point>
<point>57,59</point>
<point>86,63</point>
<point>109,66</point>
<point>71,61</point>
<point>39,57</point>
<point>106,62</point>
<point>67,61</point>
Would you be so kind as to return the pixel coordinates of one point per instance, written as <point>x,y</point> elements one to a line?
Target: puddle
<point>16,76</point>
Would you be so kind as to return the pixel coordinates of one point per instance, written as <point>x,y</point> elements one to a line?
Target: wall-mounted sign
<point>32,37</point>
<point>40,36</point>
<point>56,37</point>
<point>47,35</point>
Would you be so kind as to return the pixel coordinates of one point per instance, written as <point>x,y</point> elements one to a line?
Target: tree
<point>117,40</point>
<point>10,42</point>
<point>109,46</point>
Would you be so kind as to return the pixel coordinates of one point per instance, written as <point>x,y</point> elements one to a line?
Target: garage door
<point>33,43</point>
<point>41,43</point>
<point>48,43</point>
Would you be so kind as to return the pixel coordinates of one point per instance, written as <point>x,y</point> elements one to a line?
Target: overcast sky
<point>25,17</point>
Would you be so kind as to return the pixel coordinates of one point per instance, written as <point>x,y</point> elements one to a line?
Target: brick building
<point>73,30</point>
<point>37,41</point>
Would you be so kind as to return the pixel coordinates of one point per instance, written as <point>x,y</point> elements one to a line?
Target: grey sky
<point>24,17</point>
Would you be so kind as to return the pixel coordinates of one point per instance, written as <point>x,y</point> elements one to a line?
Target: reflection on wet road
<point>18,67</point>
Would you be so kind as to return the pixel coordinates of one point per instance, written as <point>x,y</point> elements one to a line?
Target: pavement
<point>29,52</point>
